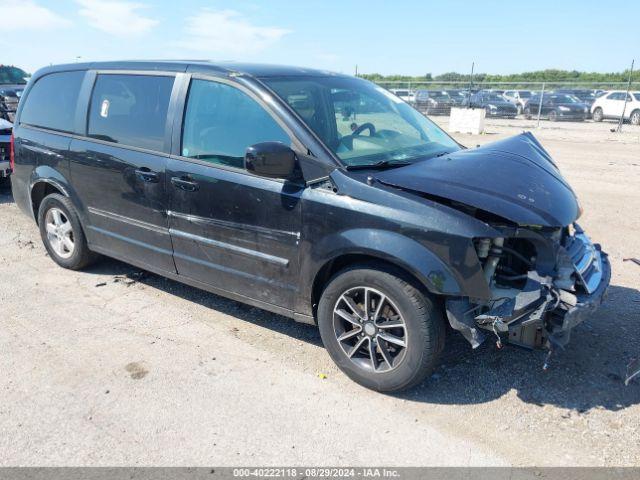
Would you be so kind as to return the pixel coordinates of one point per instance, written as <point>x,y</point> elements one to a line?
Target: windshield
<point>361,123</point>
<point>13,75</point>
<point>564,99</point>
<point>524,94</point>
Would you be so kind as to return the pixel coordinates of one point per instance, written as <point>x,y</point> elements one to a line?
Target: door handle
<point>185,183</point>
<point>146,175</point>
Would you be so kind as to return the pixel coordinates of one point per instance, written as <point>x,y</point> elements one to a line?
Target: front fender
<point>393,247</point>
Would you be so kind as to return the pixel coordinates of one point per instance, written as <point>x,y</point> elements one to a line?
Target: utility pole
<point>626,97</point>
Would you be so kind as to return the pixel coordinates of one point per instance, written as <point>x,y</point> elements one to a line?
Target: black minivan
<point>314,195</point>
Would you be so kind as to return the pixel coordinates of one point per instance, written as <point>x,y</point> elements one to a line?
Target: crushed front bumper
<point>543,313</point>
<point>587,303</point>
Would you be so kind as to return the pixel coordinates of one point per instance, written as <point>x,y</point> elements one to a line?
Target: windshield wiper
<point>380,164</point>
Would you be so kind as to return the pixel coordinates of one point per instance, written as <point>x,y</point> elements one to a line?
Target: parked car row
<point>12,83</point>
<point>560,104</point>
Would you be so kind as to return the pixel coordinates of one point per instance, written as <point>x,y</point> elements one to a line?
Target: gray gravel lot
<point>143,371</point>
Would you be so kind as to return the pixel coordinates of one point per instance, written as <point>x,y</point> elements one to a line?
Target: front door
<point>237,232</point>
<point>119,172</point>
<point>613,104</point>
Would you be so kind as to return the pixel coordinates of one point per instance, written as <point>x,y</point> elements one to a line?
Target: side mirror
<point>270,159</point>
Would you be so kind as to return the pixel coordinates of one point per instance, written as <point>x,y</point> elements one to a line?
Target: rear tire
<point>527,113</point>
<point>62,233</point>
<point>553,116</point>
<point>598,115</point>
<point>373,349</point>
<point>634,118</point>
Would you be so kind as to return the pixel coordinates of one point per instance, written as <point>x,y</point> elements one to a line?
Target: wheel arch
<point>409,257</point>
<point>44,181</point>
<point>344,261</point>
<point>41,189</point>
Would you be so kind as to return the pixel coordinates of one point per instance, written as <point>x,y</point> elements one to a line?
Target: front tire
<point>391,345</point>
<point>62,233</point>
<point>598,115</point>
<point>634,119</point>
<point>527,113</point>
<point>553,116</point>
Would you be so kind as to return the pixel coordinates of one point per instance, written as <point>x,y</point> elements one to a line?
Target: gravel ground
<point>104,368</point>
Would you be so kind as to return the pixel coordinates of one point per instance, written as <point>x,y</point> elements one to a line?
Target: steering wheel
<point>363,127</point>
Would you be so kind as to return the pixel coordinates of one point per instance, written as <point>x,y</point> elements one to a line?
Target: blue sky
<point>405,37</point>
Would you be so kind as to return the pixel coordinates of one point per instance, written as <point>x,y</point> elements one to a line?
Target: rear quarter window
<point>130,109</point>
<point>52,101</point>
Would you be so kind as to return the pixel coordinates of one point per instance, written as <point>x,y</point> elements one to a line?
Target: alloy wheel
<point>597,115</point>
<point>370,329</point>
<point>59,233</point>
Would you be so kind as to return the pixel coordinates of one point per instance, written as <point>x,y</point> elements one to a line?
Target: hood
<point>514,178</point>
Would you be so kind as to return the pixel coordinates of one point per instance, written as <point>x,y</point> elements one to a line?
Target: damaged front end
<point>543,274</point>
<point>543,282</point>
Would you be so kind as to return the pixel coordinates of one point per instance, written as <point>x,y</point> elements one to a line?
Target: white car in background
<point>404,94</point>
<point>611,105</point>
<point>518,98</point>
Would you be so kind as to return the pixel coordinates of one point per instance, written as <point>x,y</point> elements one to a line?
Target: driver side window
<point>221,121</point>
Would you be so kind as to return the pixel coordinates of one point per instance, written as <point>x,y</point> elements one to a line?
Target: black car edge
<point>556,107</point>
<point>317,196</point>
<point>494,104</point>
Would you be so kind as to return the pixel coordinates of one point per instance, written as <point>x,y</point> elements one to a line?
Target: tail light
<point>12,154</point>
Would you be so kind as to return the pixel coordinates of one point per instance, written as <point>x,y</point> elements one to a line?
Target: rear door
<point>118,170</point>
<point>232,230</point>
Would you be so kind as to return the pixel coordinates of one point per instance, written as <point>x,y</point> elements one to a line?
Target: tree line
<point>549,75</point>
